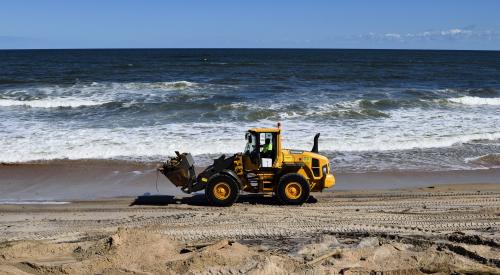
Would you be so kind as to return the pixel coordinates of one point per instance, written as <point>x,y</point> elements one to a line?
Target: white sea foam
<point>405,128</point>
<point>50,103</point>
<point>473,100</point>
<point>179,84</point>
<point>388,143</point>
<point>47,141</point>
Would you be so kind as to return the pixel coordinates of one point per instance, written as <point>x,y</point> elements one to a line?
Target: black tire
<point>230,193</point>
<point>289,182</point>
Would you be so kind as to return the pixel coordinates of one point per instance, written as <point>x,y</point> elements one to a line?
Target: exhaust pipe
<point>315,146</point>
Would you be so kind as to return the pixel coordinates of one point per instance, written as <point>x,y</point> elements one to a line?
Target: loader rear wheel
<point>222,190</point>
<point>293,189</point>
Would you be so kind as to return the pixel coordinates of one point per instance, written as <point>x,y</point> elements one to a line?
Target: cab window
<point>251,143</point>
<point>262,140</point>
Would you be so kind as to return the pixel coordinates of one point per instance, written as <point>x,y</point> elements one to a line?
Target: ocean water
<point>375,109</point>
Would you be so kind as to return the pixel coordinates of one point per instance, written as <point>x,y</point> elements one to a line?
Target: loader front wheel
<point>222,190</point>
<point>293,189</point>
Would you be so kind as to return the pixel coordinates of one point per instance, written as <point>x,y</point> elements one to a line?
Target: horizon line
<point>243,48</point>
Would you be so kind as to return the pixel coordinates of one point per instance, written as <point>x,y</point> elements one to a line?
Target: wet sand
<point>79,180</point>
<point>439,229</point>
<point>62,180</point>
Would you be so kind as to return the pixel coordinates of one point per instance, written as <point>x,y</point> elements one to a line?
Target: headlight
<point>325,170</point>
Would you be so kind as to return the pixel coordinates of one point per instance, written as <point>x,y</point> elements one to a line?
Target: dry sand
<point>441,229</point>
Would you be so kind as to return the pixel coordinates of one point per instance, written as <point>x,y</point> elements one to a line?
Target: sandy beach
<point>438,229</point>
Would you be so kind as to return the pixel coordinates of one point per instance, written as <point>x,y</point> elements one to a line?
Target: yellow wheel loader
<point>264,167</point>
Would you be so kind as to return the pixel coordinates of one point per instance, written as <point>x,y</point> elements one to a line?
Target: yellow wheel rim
<point>222,191</point>
<point>293,190</point>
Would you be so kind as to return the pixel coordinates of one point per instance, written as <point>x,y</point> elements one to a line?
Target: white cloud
<point>450,34</point>
<point>393,35</point>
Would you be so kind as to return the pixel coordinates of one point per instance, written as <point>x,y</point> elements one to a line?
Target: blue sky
<point>422,24</point>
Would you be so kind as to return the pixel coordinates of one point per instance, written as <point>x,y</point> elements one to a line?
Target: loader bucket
<point>179,170</point>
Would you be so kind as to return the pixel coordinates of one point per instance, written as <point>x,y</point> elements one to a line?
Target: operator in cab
<point>267,149</point>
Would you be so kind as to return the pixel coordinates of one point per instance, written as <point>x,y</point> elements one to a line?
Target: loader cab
<point>256,142</point>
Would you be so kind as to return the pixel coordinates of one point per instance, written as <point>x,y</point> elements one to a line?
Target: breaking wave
<point>156,142</point>
<point>345,110</point>
<point>173,85</point>
<point>472,100</point>
<point>488,160</point>
<point>93,94</point>
<point>485,92</point>
<point>50,103</point>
